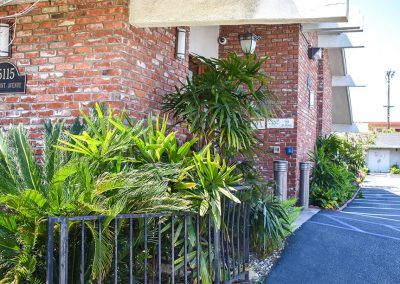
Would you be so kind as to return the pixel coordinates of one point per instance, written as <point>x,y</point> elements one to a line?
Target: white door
<point>378,160</point>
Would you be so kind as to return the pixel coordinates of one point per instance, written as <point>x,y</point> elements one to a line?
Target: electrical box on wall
<point>275,149</point>
<point>289,150</point>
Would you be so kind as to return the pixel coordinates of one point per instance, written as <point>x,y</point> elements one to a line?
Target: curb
<point>350,200</point>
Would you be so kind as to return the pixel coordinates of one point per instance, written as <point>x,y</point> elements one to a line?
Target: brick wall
<point>287,48</point>
<point>306,114</point>
<point>324,97</point>
<point>78,52</point>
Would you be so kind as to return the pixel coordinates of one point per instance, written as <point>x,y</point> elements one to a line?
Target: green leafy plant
<point>270,219</point>
<point>106,140</point>
<point>219,104</point>
<point>157,145</point>
<point>395,169</point>
<point>332,180</point>
<point>215,179</point>
<point>70,186</point>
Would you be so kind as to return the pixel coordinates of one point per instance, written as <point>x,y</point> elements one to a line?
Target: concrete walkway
<point>360,244</point>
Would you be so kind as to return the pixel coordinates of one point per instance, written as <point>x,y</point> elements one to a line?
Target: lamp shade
<point>4,40</point>
<point>248,42</point>
<point>180,43</point>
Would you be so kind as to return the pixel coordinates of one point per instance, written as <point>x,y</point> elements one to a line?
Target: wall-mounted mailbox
<point>289,150</point>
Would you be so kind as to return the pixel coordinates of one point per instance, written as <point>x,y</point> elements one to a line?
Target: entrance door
<point>378,160</point>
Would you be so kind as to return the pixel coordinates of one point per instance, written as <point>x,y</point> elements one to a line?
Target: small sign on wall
<point>280,123</point>
<point>11,82</point>
<point>310,91</point>
<point>258,123</point>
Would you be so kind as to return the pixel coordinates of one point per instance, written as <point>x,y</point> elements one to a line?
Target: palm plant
<point>219,105</point>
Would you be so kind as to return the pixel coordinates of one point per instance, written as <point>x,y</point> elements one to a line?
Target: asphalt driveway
<point>360,244</point>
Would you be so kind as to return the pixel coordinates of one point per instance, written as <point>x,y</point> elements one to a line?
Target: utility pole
<point>388,75</point>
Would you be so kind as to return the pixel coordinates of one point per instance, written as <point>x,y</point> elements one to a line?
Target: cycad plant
<point>69,185</point>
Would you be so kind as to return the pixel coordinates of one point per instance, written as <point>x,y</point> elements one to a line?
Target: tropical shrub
<point>31,191</point>
<point>100,171</point>
<point>218,106</point>
<point>349,151</point>
<point>337,171</point>
<point>270,219</point>
<point>395,169</point>
<point>197,179</point>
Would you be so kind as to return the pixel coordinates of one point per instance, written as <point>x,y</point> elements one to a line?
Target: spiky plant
<point>31,191</point>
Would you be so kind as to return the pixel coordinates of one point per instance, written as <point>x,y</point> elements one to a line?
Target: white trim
<point>342,40</point>
<point>344,81</point>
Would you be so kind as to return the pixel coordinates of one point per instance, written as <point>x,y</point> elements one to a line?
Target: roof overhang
<point>354,23</point>
<point>344,81</point>
<point>341,40</point>
<point>167,13</point>
<point>336,37</point>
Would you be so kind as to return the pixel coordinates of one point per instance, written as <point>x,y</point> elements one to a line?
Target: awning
<point>168,13</point>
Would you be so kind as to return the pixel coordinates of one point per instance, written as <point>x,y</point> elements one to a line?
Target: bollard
<point>280,177</point>
<point>304,184</point>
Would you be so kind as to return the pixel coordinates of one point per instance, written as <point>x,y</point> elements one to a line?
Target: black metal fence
<point>149,248</point>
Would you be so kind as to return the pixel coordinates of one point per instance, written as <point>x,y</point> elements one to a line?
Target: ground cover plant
<point>395,169</point>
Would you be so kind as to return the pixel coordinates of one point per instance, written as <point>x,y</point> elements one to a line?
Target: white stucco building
<point>385,152</point>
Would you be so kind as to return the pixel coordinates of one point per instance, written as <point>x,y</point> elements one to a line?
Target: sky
<point>368,65</point>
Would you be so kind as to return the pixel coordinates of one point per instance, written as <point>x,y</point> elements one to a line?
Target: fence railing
<point>149,248</point>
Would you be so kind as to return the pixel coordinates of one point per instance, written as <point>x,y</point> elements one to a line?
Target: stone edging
<point>350,200</point>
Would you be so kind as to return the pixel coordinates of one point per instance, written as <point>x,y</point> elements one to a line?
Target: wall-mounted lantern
<point>4,40</point>
<point>315,53</point>
<point>248,42</point>
<point>180,44</point>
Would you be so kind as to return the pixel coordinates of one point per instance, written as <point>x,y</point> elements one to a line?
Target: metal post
<point>304,184</point>
<point>280,177</point>
<point>388,75</point>
<point>63,265</point>
<point>217,254</point>
<point>50,249</point>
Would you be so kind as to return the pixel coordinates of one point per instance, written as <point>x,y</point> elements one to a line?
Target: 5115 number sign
<point>11,82</point>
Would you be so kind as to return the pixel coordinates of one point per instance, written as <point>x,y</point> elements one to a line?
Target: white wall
<point>380,160</point>
<point>204,41</point>
<point>395,157</point>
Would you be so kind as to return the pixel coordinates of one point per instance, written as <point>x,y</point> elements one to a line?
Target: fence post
<point>63,251</point>
<point>217,252</point>
<point>50,250</point>
<point>304,184</point>
<point>280,177</point>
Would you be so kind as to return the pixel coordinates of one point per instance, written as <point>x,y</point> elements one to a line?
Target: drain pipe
<point>304,184</point>
<point>280,177</point>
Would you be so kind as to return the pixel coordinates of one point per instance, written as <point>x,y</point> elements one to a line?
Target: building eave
<point>166,13</point>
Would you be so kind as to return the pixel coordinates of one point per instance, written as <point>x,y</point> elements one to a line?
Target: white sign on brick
<point>280,123</point>
<point>258,123</point>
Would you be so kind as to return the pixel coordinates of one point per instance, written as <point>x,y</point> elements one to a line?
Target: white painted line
<point>377,208</point>
<point>374,217</point>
